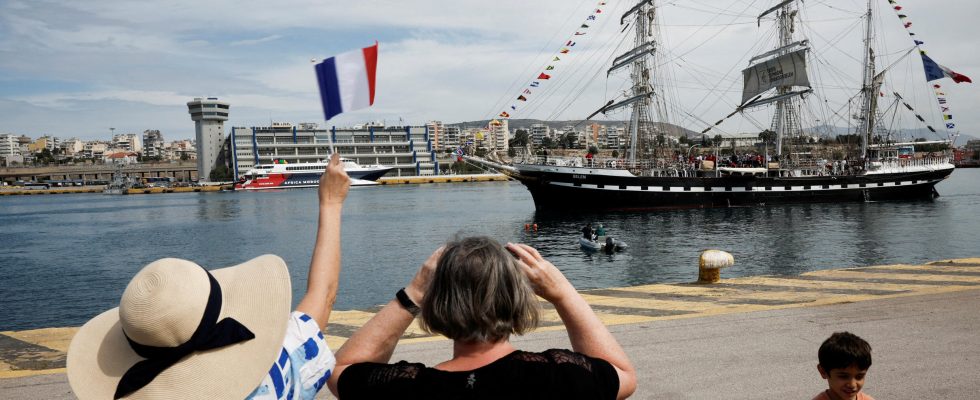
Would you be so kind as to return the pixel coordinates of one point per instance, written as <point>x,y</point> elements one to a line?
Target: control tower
<point>209,117</point>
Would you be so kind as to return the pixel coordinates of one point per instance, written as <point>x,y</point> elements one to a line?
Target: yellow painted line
<point>776,281</point>
<point>709,300</point>
<point>52,338</point>
<point>958,261</point>
<point>678,305</point>
<point>939,279</point>
<point>705,291</point>
<point>936,268</point>
<point>349,317</point>
<point>34,372</point>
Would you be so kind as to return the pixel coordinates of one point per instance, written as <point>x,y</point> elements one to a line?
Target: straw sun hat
<point>183,323</point>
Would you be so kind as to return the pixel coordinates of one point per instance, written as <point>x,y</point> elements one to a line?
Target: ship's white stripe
<point>782,188</point>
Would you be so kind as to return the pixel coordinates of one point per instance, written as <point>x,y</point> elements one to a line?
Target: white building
<point>72,147</point>
<point>408,150</point>
<point>209,116</point>
<point>153,143</point>
<point>179,148</point>
<point>451,138</point>
<point>436,133</point>
<point>539,132</point>
<point>95,149</point>
<point>612,136</point>
<point>500,130</point>
<point>9,145</point>
<point>128,142</point>
<point>122,158</point>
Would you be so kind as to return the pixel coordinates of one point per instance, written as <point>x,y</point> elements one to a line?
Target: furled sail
<point>786,70</point>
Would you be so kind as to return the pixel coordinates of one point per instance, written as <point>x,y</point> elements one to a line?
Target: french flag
<point>347,80</point>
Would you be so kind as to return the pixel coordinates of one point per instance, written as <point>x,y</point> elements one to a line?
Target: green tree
<point>569,140</point>
<point>220,173</point>
<point>521,138</point>
<point>44,157</point>
<point>768,136</point>
<point>593,150</point>
<point>184,157</point>
<point>547,142</point>
<point>615,153</point>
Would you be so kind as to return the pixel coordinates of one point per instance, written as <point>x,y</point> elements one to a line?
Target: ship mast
<point>641,94</point>
<point>783,68</point>
<point>784,111</point>
<point>867,108</point>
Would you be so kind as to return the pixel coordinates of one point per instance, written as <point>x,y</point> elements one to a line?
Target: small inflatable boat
<point>601,244</point>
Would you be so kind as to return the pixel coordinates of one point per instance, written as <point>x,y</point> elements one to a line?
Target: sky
<point>79,68</point>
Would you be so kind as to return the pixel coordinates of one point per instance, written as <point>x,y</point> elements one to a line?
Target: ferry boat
<point>303,175</point>
<point>882,170</point>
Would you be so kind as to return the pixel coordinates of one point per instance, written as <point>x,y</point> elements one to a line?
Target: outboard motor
<point>610,245</point>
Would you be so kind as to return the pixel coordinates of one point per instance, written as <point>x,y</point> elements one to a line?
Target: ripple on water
<point>69,257</point>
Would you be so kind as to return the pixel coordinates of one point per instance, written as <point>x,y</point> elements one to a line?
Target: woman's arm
<point>376,340</point>
<point>321,286</point>
<point>586,332</point>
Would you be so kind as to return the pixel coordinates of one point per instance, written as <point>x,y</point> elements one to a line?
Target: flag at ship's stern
<point>347,80</point>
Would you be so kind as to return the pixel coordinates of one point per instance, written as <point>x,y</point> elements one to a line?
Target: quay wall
<point>182,171</point>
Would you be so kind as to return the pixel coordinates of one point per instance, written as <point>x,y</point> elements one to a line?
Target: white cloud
<point>249,42</point>
<point>439,60</point>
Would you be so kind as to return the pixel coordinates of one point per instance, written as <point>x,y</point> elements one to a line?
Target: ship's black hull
<point>570,191</point>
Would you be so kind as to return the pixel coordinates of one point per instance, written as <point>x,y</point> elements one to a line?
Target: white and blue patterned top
<point>304,364</point>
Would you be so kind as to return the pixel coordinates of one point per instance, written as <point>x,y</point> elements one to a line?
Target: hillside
<point>674,130</point>
<point>579,125</point>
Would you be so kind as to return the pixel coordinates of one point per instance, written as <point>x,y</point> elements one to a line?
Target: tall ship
<point>281,175</point>
<point>776,82</point>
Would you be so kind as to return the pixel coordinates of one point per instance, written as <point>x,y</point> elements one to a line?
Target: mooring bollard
<point>711,263</point>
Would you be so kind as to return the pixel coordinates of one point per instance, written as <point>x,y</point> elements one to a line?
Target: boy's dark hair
<point>842,349</point>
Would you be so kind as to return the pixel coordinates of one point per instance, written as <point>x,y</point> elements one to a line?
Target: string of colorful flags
<point>546,74</point>
<point>933,69</point>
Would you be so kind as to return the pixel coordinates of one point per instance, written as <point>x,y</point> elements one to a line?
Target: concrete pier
<point>742,338</point>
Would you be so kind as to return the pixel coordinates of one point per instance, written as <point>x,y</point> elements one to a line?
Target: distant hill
<point>903,134</point>
<point>580,125</point>
<point>677,131</point>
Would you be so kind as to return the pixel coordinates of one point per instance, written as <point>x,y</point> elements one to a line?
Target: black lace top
<point>553,374</point>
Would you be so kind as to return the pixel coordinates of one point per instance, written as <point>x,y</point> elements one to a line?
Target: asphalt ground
<point>743,338</point>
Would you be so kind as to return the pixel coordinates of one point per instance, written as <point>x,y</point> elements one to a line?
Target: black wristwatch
<point>406,302</point>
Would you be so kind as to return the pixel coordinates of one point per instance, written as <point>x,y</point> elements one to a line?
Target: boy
<point>844,362</point>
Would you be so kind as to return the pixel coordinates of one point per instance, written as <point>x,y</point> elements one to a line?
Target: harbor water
<point>66,258</point>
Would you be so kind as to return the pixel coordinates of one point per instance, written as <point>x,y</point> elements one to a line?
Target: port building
<point>407,149</point>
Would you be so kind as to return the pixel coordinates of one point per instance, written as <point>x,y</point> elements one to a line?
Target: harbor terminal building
<point>407,149</point>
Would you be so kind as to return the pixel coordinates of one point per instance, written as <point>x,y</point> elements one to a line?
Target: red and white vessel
<point>301,175</point>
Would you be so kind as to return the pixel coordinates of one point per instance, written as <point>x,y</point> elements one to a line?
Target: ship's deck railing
<point>903,164</point>
<point>673,168</point>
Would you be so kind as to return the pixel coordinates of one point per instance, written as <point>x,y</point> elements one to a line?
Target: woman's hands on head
<point>423,278</point>
<point>546,280</point>
<point>334,183</point>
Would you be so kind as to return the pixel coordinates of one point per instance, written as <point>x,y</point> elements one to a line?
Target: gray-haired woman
<point>475,292</point>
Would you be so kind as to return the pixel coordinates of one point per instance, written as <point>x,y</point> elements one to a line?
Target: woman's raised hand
<point>423,278</point>
<point>334,183</point>
<point>547,281</point>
